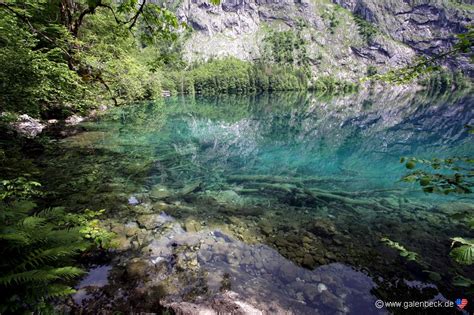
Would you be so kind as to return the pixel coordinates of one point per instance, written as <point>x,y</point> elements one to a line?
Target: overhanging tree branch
<point>137,14</point>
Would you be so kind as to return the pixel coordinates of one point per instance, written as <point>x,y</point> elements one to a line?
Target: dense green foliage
<point>442,81</point>
<point>284,66</point>
<point>37,250</point>
<point>63,56</point>
<point>285,48</point>
<point>60,57</point>
<point>33,78</point>
<point>39,246</point>
<point>231,75</point>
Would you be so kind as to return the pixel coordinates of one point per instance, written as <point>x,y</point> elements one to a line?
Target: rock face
<point>335,45</point>
<point>425,25</point>
<point>28,126</point>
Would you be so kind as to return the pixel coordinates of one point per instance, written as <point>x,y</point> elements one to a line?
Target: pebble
<point>133,201</point>
<point>322,287</point>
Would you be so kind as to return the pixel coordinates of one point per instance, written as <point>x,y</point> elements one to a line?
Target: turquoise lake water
<point>288,194</point>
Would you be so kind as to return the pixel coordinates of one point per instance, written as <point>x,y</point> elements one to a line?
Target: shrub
<point>366,29</point>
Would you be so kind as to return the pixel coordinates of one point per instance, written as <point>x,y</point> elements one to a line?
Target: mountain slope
<point>336,42</point>
<point>427,26</point>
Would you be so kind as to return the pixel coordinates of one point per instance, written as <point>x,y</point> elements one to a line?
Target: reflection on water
<point>96,278</point>
<point>283,197</point>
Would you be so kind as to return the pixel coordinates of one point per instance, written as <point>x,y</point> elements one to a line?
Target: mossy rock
<point>137,269</point>
<point>160,192</point>
<point>191,225</point>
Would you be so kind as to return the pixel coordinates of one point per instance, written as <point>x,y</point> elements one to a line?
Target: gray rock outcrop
<point>337,45</point>
<point>238,27</point>
<point>427,26</point>
<point>28,126</point>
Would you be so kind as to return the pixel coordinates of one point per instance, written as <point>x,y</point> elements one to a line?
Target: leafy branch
<point>453,175</point>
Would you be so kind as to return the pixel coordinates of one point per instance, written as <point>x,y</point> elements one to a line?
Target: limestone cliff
<point>345,38</point>
<point>427,26</point>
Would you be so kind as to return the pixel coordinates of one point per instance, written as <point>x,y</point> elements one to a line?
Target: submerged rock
<point>152,221</point>
<point>455,207</point>
<point>288,272</point>
<point>323,228</point>
<point>311,292</point>
<point>265,227</point>
<point>159,192</point>
<point>228,302</point>
<point>229,197</point>
<point>131,229</point>
<point>332,301</point>
<point>322,287</point>
<point>190,188</point>
<point>122,242</point>
<point>96,278</point>
<point>133,201</point>
<point>191,225</point>
<point>137,268</point>
<point>308,261</point>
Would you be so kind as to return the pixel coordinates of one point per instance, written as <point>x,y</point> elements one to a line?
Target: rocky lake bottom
<point>270,204</point>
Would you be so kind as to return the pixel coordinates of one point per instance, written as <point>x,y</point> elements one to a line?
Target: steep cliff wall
<point>336,43</point>
<point>345,39</point>
<point>427,26</point>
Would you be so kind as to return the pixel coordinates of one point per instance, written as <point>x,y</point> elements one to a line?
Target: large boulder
<point>28,126</point>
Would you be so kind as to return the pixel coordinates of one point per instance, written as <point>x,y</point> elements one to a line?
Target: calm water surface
<point>276,201</point>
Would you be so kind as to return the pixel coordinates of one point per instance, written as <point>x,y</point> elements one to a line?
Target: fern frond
<point>58,290</point>
<point>463,254</point>
<point>52,213</point>
<point>43,256</point>
<point>33,222</point>
<point>67,273</point>
<point>45,275</point>
<point>17,238</point>
<point>23,207</point>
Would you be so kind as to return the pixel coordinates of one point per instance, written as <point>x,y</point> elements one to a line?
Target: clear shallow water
<point>309,182</point>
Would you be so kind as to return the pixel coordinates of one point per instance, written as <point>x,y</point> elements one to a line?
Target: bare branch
<point>137,14</point>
